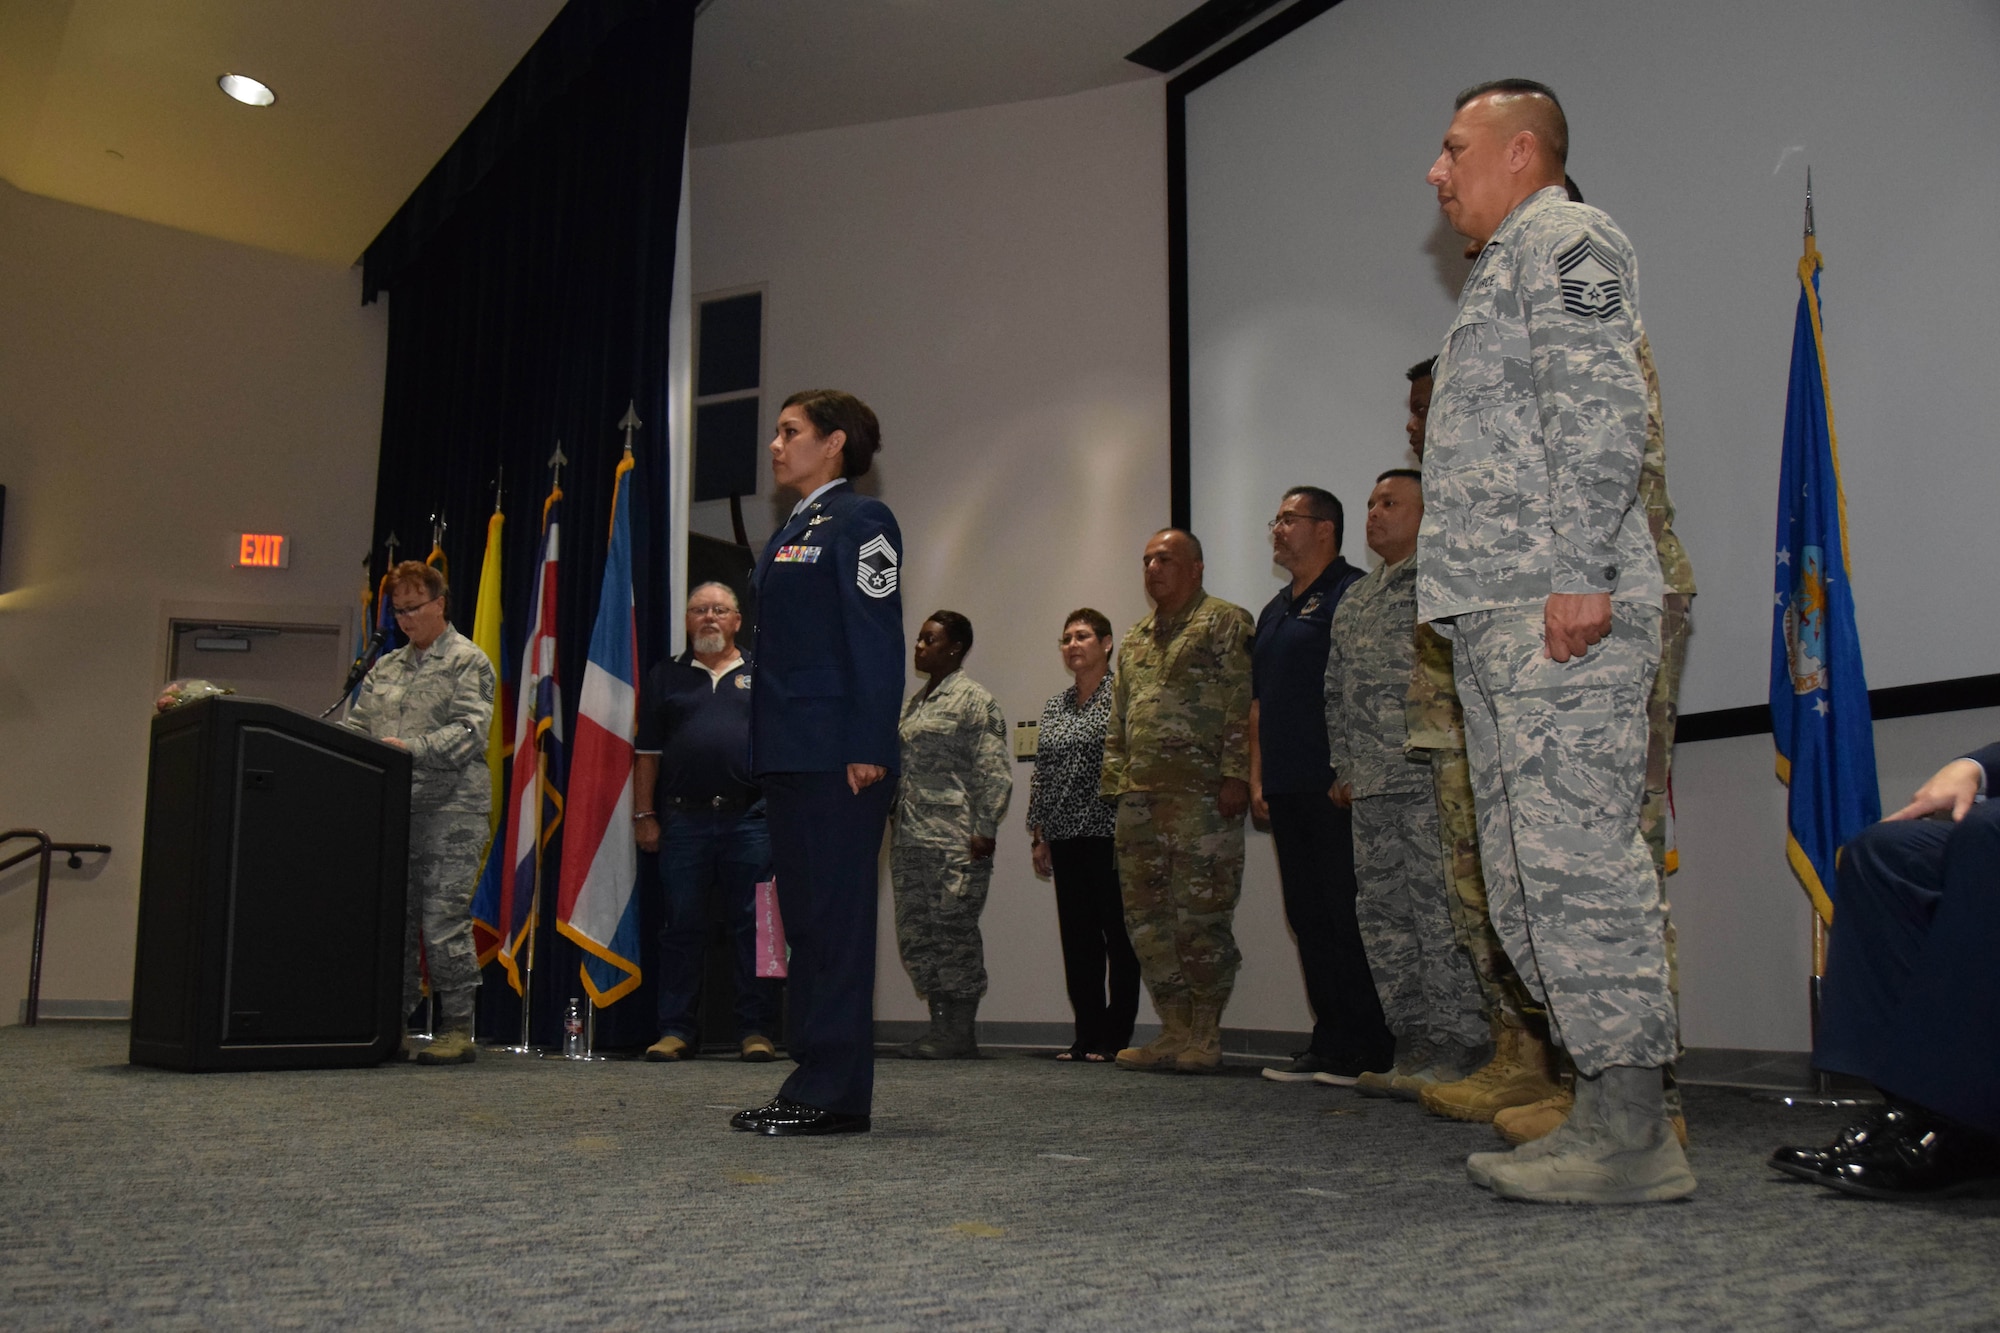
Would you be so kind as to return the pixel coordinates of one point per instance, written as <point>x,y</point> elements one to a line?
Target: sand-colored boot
<point>1617,1147</point>
<point>1517,1075</point>
<point>1411,1054</point>
<point>1176,1018</point>
<point>953,1034</point>
<point>1525,1124</point>
<point>453,1046</point>
<point>928,1040</point>
<point>1203,1052</point>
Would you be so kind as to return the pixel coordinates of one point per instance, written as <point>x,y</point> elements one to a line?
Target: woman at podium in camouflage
<point>434,698</point>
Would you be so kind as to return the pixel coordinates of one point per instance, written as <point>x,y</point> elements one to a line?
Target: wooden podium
<point>271,892</point>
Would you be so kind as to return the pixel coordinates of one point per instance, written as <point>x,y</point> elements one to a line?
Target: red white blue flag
<point>534,788</point>
<point>598,909</point>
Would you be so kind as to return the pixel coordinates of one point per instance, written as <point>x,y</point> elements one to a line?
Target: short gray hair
<point>734,600</point>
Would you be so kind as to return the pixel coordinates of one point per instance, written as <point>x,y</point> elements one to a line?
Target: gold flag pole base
<point>1821,1095</point>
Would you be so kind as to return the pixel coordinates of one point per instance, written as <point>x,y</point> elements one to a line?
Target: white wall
<point>158,391</point>
<point>994,284</point>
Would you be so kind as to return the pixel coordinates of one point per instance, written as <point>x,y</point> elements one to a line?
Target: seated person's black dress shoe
<point>1814,1163</point>
<point>1924,1157</point>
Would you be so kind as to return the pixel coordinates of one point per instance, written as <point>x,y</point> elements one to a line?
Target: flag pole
<point>1820,1092</point>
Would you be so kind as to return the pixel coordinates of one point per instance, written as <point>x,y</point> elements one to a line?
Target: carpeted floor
<point>1012,1193</point>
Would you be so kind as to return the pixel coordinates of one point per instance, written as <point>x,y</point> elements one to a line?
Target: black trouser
<point>826,843</point>
<point>1091,916</point>
<point>1315,844</point>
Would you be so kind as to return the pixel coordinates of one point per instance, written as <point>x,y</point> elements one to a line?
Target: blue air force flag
<point>1819,693</point>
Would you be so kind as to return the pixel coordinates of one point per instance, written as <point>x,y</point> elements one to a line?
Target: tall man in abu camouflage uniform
<point>1535,557</point>
<point>1530,1120</point>
<point>1429,995</point>
<point>1177,760</point>
<point>1526,1120</point>
<point>434,698</point>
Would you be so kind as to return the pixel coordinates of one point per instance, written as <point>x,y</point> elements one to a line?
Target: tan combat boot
<point>1525,1124</point>
<point>450,1048</point>
<point>1410,1055</point>
<point>1203,1052</point>
<point>453,1045</point>
<point>1517,1075</point>
<point>1616,1148</point>
<point>1176,1015</point>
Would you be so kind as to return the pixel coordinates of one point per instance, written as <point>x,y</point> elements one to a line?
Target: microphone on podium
<point>357,671</point>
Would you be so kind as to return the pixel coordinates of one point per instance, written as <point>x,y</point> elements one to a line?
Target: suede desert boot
<point>1203,1052</point>
<point>1176,1016</point>
<point>1623,1152</point>
<point>1517,1075</point>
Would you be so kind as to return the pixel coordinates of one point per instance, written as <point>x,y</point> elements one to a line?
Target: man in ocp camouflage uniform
<point>434,698</point>
<point>1535,559</point>
<point>1177,760</point>
<point>1429,995</point>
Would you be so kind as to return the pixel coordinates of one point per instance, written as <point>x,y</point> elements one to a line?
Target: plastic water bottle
<point>573,1031</point>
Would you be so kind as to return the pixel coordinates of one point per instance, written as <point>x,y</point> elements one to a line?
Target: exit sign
<point>263,550</point>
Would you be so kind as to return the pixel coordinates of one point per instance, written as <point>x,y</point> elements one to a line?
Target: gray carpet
<point>1014,1193</point>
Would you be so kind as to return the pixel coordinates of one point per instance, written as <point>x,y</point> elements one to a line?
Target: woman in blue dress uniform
<point>824,702</point>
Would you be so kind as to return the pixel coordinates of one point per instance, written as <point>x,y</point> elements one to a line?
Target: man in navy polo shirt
<point>1291,777</point>
<point>698,807</point>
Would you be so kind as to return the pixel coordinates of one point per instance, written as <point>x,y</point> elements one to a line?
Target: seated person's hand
<point>1950,788</point>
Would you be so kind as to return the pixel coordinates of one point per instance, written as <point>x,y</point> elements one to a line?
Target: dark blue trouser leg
<point>825,846</point>
<point>1912,994</point>
<point>689,859</point>
<point>743,858</point>
<point>1314,840</point>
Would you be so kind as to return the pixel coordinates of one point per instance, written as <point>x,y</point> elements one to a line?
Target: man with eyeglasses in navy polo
<point>1291,775</point>
<point>699,808</point>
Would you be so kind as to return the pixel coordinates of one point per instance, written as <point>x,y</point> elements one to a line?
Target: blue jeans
<point>704,853</point>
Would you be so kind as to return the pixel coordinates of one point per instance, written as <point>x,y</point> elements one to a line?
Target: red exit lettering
<point>261,550</point>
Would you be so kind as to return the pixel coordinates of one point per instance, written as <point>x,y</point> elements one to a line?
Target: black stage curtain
<point>529,280</point>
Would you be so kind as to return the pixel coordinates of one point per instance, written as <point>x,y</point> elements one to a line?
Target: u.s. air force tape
<point>876,572</point>
<point>1591,286</point>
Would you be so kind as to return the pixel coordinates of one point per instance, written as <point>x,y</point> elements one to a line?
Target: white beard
<point>710,643</point>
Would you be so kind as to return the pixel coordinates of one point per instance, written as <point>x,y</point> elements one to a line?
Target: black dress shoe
<point>1814,1163</point>
<point>796,1118</point>
<point>1925,1157</point>
<point>750,1120</point>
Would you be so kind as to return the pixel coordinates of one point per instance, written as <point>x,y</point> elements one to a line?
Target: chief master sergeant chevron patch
<point>1591,287</point>
<point>875,573</point>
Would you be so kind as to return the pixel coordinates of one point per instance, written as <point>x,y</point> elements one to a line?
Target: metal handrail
<point>46,850</point>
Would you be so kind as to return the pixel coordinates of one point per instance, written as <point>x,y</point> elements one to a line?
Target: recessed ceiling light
<point>246,90</point>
